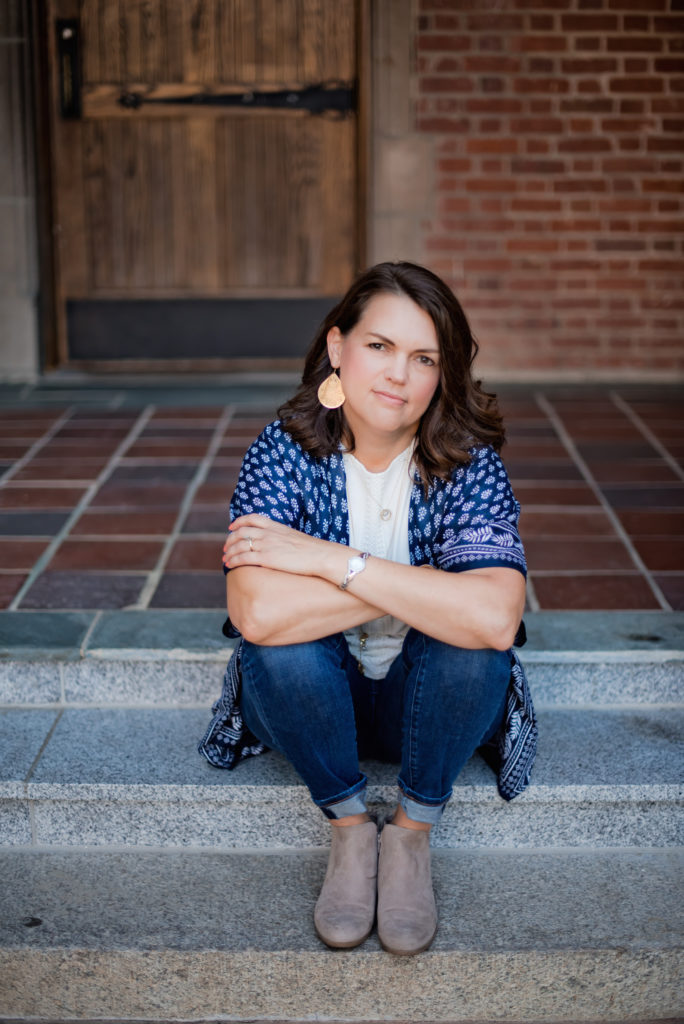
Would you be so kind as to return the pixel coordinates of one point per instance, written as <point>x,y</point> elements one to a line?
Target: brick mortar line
<point>200,476</point>
<point>90,493</point>
<point>571,448</point>
<point>38,445</point>
<point>636,419</point>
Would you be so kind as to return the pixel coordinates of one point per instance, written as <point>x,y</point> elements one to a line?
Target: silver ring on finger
<point>251,545</point>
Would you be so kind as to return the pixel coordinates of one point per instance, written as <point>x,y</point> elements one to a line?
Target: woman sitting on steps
<point>376,576</point>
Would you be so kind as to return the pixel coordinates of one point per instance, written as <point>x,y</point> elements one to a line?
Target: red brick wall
<point>558,155</point>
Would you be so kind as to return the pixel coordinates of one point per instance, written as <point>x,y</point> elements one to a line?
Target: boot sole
<point>342,945</point>
<point>408,952</point>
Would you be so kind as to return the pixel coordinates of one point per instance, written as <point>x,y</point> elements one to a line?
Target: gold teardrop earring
<point>330,393</point>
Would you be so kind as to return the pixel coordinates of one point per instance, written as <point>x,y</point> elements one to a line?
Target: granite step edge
<point>644,816</point>
<point>195,682</point>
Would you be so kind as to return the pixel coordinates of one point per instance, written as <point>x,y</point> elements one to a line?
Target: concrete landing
<point>563,935</point>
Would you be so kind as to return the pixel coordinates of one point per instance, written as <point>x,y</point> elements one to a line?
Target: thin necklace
<point>385,512</point>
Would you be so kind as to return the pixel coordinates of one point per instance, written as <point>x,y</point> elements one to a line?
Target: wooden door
<point>185,230</point>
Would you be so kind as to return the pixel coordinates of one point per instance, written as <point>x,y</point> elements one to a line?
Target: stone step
<point>93,776</point>
<point>548,935</point>
<point>176,658</point>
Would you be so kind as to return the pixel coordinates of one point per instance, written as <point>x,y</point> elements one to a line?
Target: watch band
<point>355,565</point>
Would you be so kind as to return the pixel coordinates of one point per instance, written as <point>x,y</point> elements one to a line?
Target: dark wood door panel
<point>171,203</point>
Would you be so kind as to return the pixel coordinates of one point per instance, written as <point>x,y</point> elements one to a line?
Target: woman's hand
<point>257,540</point>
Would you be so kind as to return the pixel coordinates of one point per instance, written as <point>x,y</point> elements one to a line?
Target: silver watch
<point>355,565</point>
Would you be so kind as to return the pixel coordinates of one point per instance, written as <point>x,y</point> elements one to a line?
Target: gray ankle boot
<point>407,914</point>
<point>345,910</point>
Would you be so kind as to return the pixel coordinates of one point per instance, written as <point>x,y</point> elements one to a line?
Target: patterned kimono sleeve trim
<point>482,546</point>
<point>228,741</point>
<point>517,741</point>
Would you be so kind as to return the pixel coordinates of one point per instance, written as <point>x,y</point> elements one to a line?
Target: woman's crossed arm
<point>290,591</point>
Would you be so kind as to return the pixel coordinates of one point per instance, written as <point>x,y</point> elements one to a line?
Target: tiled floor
<point>122,502</point>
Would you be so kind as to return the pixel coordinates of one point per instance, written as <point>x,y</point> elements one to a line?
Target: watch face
<point>356,563</point>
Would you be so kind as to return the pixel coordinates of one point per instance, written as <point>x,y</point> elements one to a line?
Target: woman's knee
<point>290,666</point>
<point>419,645</point>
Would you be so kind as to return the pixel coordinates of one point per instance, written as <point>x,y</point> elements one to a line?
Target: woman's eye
<point>426,361</point>
<point>377,345</point>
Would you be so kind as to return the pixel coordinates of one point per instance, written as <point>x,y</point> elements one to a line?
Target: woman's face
<point>389,369</point>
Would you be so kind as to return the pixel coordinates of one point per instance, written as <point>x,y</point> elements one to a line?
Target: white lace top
<point>376,644</point>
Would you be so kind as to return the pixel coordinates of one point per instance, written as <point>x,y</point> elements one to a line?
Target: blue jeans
<point>436,705</point>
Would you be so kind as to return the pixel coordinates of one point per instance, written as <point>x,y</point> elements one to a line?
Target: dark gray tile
<point>61,632</point>
<point>190,590</point>
<point>206,520</point>
<point>645,497</point>
<point>32,524</point>
<point>157,473</point>
<point>672,587</point>
<point>83,590</point>
<point>160,630</point>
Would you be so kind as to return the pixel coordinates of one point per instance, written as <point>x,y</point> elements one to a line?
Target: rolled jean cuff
<point>353,802</point>
<point>417,810</point>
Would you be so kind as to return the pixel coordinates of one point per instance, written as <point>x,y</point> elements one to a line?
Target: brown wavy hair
<point>460,415</point>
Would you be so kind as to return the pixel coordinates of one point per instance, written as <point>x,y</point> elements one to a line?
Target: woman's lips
<point>390,398</point>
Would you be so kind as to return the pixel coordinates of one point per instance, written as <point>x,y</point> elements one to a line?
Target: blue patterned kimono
<point>468,522</point>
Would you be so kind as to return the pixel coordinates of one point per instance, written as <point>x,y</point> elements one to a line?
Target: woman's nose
<point>396,369</point>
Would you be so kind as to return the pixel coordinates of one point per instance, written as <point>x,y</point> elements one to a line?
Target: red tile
<point>11,415</point>
<point>9,587</point>
<point>13,451</point>
<point>213,494</point>
<point>177,430</point>
<point>244,429</point>
<point>661,553</point>
<point>235,448</point>
<point>581,427</point>
<point>534,448</point>
<point>530,431</point>
<point>649,522</point>
<point>20,554</point>
<point>106,555</point>
<point>31,430</point>
<point>39,497</point>
<point>74,449</point>
<point>520,409</point>
<point>547,471</point>
<point>656,410</point>
<point>166,449</point>
<point>622,472</point>
<point>52,469</point>
<point>91,430</point>
<point>565,524</point>
<point>129,495</point>
<point>196,555</point>
<point>125,522</point>
<point>582,554</point>
<point>195,412</point>
<point>593,593</point>
<point>538,494</point>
